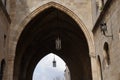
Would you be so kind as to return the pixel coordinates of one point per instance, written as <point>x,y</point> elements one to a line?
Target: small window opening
<point>4,2</point>
<point>2,66</point>
<point>102,2</point>
<point>4,40</point>
<point>106,55</point>
<point>119,34</point>
<point>99,5</point>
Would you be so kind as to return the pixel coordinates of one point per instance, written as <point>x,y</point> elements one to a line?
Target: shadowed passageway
<point>39,39</point>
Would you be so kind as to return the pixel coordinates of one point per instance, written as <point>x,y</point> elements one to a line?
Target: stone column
<point>10,60</point>
<point>9,69</point>
<point>94,67</point>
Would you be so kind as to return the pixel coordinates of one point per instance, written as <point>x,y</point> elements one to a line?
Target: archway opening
<point>2,67</point>
<point>51,67</point>
<point>106,56</point>
<point>52,31</point>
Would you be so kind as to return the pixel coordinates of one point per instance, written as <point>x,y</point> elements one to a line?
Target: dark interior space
<point>38,39</point>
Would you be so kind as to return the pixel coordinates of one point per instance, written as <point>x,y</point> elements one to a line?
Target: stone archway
<point>82,32</point>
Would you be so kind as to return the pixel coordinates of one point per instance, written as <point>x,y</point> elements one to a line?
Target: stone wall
<point>4,26</point>
<point>82,8</point>
<point>20,9</point>
<point>110,71</point>
<point>4,29</point>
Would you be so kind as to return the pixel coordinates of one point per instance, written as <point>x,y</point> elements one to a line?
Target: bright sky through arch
<point>45,70</point>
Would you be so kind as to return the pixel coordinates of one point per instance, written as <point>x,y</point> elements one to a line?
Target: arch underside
<point>38,39</point>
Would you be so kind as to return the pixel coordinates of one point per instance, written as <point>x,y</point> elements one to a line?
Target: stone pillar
<point>9,69</point>
<point>94,67</point>
<point>10,61</point>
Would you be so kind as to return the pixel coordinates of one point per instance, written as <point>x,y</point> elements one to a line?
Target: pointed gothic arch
<point>88,34</point>
<point>55,6</point>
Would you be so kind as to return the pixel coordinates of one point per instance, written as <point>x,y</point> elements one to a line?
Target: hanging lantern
<point>58,43</point>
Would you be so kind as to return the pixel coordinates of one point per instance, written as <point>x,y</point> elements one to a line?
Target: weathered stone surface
<point>112,19</point>
<point>83,12</point>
